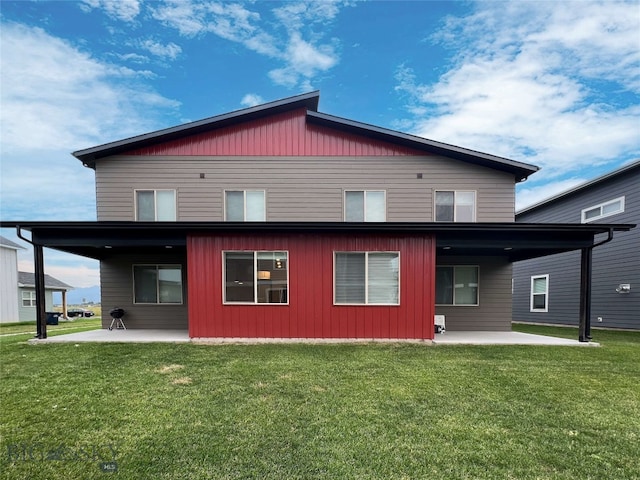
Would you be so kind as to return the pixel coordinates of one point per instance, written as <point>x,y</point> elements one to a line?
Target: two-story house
<point>546,290</point>
<point>279,221</point>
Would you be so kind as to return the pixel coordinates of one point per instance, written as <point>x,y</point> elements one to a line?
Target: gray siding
<point>116,279</point>
<point>300,188</point>
<point>28,314</point>
<point>613,263</point>
<point>494,310</point>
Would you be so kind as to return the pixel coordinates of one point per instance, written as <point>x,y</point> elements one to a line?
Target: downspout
<point>584,326</point>
<point>38,256</point>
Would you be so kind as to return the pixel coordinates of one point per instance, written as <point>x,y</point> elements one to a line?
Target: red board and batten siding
<point>284,134</point>
<point>311,312</point>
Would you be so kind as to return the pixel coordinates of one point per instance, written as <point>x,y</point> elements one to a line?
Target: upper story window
<point>256,277</point>
<point>155,205</point>
<point>455,206</point>
<point>28,298</point>
<point>155,284</point>
<point>367,278</point>
<point>244,206</point>
<point>365,206</point>
<point>603,210</point>
<point>457,285</point>
<point>540,293</point>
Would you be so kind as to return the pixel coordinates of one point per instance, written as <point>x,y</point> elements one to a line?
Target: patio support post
<point>41,315</point>
<point>584,327</point>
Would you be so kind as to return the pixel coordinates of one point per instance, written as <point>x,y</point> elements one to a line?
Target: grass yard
<point>174,411</point>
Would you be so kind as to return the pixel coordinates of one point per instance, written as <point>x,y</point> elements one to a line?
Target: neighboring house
<point>546,290</point>
<point>279,221</point>
<point>9,306</point>
<point>27,294</point>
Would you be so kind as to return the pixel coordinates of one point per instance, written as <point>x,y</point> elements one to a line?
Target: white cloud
<point>530,90</point>
<point>82,274</point>
<point>126,10</point>
<point>528,196</point>
<point>301,51</point>
<point>170,50</point>
<point>57,99</point>
<point>251,100</point>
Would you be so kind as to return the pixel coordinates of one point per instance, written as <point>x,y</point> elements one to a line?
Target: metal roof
<point>5,242</point>
<point>27,279</point>
<point>89,155</point>
<point>309,101</point>
<point>514,241</point>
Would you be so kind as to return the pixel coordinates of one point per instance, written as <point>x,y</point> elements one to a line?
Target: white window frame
<point>454,304</point>
<point>364,192</point>
<point>600,206</point>
<point>244,204</point>
<point>255,278</point>
<point>455,203</point>
<point>155,202</point>
<point>157,266</point>
<point>31,294</point>
<point>546,294</point>
<point>366,279</point>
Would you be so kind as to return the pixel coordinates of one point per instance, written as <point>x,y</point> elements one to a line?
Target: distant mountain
<point>78,296</point>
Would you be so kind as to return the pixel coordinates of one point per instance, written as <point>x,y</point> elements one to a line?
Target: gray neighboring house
<point>8,280</point>
<point>27,294</point>
<point>546,290</point>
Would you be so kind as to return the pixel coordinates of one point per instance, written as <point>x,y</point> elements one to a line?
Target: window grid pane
<point>169,284</point>
<point>146,206</point>
<point>255,207</point>
<point>354,206</point>
<point>145,284</point>
<point>444,206</point>
<point>234,205</point>
<point>383,278</point>
<point>166,205</point>
<point>350,278</point>
<point>375,207</point>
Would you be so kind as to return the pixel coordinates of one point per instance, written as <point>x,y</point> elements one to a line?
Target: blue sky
<point>556,84</point>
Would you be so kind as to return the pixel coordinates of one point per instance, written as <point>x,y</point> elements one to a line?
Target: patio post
<point>41,314</point>
<point>584,327</point>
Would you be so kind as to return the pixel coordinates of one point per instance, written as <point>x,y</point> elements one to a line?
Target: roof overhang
<point>513,241</point>
<point>88,156</point>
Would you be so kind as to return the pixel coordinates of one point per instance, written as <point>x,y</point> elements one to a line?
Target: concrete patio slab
<point>182,336</point>
<point>126,336</point>
<point>505,338</point>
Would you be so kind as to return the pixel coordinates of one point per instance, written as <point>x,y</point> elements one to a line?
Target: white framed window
<point>457,285</point>
<point>455,206</point>
<point>28,298</point>
<point>244,205</point>
<point>255,277</point>
<point>540,293</point>
<point>366,278</point>
<point>155,205</point>
<point>157,284</point>
<point>365,206</point>
<point>606,209</point>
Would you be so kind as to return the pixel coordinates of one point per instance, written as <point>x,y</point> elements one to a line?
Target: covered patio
<point>511,241</point>
<point>182,336</point>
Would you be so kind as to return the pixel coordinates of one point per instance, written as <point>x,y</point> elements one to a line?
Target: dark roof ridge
<point>607,176</point>
<point>416,141</point>
<point>88,156</point>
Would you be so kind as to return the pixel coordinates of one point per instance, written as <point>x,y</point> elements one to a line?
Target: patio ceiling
<point>515,241</point>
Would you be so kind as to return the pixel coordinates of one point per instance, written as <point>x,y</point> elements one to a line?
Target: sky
<point>555,84</point>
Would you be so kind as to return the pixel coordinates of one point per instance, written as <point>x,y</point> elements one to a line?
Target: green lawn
<point>172,411</point>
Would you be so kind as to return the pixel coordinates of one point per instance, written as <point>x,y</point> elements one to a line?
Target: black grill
<point>117,313</point>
